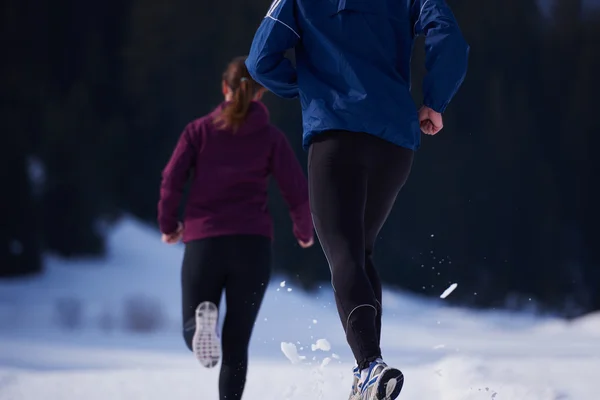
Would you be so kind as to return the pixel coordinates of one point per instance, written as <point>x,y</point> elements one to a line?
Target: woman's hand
<point>306,245</point>
<point>174,237</point>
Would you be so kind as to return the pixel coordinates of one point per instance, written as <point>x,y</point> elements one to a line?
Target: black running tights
<point>354,179</point>
<point>240,265</point>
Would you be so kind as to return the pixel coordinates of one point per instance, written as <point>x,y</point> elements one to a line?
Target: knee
<point>347,271</point>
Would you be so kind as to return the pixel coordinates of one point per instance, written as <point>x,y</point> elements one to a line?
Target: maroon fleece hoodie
<point>228,194</point>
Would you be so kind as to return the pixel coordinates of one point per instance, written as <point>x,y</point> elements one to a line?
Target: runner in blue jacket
<point>361,128</point>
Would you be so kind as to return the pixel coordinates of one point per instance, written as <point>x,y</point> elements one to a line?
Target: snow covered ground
<point>64,336</point>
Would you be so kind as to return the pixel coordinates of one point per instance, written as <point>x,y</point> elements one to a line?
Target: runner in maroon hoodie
<point>227,229</point>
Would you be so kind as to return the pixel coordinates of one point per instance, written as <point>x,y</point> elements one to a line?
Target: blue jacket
<point>353,57</point>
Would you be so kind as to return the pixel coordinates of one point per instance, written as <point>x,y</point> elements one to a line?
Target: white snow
<point>448,291</point>
<point>321,344</point>
<point>291,352</point>
<point>68,335</point>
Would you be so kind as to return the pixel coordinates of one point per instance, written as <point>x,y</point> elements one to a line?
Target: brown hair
<point>244,88</point>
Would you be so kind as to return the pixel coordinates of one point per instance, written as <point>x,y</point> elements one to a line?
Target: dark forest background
<point>504,201</point>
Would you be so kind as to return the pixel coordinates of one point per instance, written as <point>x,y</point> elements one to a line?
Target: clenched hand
<point>172,238</point>
<point>430,121</point>
<point>306,245</point>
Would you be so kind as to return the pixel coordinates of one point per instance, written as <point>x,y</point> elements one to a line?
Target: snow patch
<point>80,347</point>
<point>322,344</point>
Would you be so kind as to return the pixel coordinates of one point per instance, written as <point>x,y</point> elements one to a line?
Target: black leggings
<point>240,264</point>
<point>354,179</point>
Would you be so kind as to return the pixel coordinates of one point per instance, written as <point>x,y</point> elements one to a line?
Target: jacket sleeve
<point>293,185</point>
<point>266,61</point>
<point>446,52</point>
<point>174,177</point>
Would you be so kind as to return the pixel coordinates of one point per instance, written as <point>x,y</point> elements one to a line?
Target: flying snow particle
<point>282,284</point>
<point>291,352</point>
<point>322,344</point>
<point>448,291</point>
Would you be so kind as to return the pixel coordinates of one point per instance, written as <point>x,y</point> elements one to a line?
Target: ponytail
<point>234,113</point>
<point>244,89</point>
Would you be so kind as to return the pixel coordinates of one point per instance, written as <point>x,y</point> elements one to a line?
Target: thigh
<point>202,274</point>
<point>337,188</point>
<point>388,173</point>
<point>248,276</point>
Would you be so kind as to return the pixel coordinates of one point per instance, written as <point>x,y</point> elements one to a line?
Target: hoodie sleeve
<point>293,185</point>
<point>446,52</point>
<point>266,61</point>
<point>174,178</point>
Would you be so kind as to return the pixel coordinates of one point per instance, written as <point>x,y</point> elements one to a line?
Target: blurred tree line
<point>504,202</point>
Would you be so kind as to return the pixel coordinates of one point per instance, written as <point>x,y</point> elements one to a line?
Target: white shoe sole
<point>389,384</point>
<point>206,342</point>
